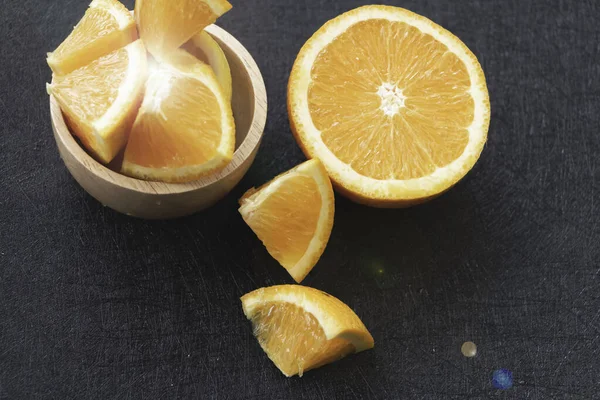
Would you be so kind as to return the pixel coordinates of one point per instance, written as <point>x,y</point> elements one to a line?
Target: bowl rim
<point>243,152</point>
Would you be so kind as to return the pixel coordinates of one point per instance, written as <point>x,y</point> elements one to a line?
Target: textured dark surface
<point>94,304</point>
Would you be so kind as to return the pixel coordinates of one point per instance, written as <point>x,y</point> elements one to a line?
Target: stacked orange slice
<point>106,26</point>
<point>165,26</point>
<point>185,127</point>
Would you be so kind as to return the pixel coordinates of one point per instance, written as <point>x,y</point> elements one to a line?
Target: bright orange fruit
<point>106,26</point>
<point>293,216</point>
<point>184,129</point>
<point>165,25</point>
<point>301,328</point>
<point>100,100</point>
<point>206,49</point>
<point>395,106</point>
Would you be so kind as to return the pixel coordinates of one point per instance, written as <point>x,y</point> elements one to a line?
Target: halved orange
<point>301,328</point>
<point>206,49</point>
<point>293,216</point>
<point>106,26</point>
<point>184,129</point>
<point>165,25</point>
<point>395,106</point>
<point>100,100</point>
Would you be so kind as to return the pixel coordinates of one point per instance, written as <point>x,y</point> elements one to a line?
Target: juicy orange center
<point>294,340</point>
<point>391,101</point>
<point>286,221</point>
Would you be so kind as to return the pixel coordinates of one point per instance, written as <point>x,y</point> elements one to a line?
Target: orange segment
<point>395,106</point>
<point>185,127</point>
<point>301,328</point>
<point>293,216</point>
<point>165,26</point>
<point>106,26</point>
<point>207,50</point>
<point>100,100</point>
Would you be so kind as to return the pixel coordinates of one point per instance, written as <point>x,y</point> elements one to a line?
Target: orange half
<point>395,106</point>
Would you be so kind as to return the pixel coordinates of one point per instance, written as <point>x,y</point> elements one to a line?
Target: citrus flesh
<point>293,216</point>
<point>100,100</point>
<point>184,129</point>
<point>106,26</point>
<point>165,26</point>
<point>206,49</point>
<point>395,106</point>
<point>301,328</point>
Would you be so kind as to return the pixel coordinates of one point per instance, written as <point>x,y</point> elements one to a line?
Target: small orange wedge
<point>293,216</point>
<point>101,99</point>
<point>106,26</point>
<point>184,129</point>
<point>206,49</point>
<point>165,25</point>
<point>301,328</point>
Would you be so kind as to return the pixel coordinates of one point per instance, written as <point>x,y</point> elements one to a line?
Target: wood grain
<point>157,200</point>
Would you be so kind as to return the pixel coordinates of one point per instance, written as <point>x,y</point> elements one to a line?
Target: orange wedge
<point>165,25</point>
<point>106,26</point>
<point>206,49</point>
<point>395,106</point>
<point>293,216</point>
<point>100,100</point>
<point>184,129</point>
<point>301,328</point>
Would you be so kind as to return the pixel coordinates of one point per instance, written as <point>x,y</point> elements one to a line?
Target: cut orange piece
<point>206,49</point>
<point>100,100</point>
<point>301,328</point>
<point>395,106</point>
<point>293,216</point>
<point>165,25</point>
<point>106,26</point>
<point>184,129</point>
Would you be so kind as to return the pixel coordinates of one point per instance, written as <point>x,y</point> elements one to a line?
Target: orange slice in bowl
<point>206,49</point>
<point>293,216</point>
<point>165,25</point>
<point>184,129</point>
<point>101,99</point>
<point>106,26</point>
<point>301,328</point>
<point>395,106</point>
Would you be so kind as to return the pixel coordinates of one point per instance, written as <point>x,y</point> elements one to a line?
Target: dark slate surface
<point>94,304</point>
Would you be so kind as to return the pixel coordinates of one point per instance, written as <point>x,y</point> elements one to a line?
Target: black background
<point>94,304</point>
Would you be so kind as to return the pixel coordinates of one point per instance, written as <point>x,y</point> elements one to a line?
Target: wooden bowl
<point>157,200</point>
